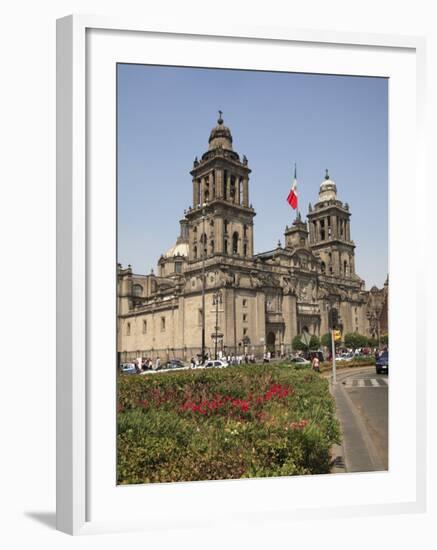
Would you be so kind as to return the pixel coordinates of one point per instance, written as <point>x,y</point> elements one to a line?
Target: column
<point>219,183</point>
<point>348,230</point>
<point>250,240</point>
<point>212,186</point>
<point>260,330</point>
<point>245,192</point>
<point>334,227</point>
<point>195,193</point>
<point>228,189</point>
<point>218,243</point>
<point>290,318</point>
<point>201,192</point>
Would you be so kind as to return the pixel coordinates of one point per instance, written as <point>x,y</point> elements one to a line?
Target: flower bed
<point>248,421</point>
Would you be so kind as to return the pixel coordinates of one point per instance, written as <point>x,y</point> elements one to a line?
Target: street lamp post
<point>217,298</point>
<point>203,283</point>
<point>333,321</point>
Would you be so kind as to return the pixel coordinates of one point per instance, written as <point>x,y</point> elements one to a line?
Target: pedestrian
<point>157,363</point>
<point>315,363</point>
<point>192,363</point>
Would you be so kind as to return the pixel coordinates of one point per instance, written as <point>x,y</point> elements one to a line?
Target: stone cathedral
<point>253,301</point>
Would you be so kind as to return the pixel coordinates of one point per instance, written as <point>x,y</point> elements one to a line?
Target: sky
<point>164,118</point>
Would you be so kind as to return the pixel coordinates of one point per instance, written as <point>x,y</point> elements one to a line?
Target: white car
<point>345,357</point>
<point>300,361</point>
<point>217,363</point>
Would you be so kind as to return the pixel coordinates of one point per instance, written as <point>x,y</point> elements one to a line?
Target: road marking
<point>361,382</point>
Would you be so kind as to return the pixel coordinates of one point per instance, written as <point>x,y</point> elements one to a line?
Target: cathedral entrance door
<point>271,339</point>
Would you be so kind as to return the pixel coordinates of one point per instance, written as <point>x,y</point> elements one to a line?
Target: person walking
<point>315,363</point>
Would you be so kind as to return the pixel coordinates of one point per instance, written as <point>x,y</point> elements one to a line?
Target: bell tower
<point>221,218</point>
<point>329,232</point>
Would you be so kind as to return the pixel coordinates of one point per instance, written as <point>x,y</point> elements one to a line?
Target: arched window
<point>195,252</point>
<point>323,267</point>
<point>206,190</point>
<point>345,268</point>
<point>245,250</point>
<point>178,267</point>
<point>232,189</point>
<point>244,231</point>
<point>240,191</point>
<point>235,243</point>
<point>137,290</point>
<point>211,246</point>
<point>204,241</point>
<point>225,246</point>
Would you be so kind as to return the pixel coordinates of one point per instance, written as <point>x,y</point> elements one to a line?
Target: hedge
<point>248,421</point>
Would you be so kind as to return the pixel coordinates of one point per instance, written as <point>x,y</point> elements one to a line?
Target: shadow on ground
<point>45,518</point>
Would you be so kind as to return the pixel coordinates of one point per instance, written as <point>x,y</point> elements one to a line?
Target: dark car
<point>382,363</point>
<point>174,364</point>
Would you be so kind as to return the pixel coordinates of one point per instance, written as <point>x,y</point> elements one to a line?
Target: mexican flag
<point>292,195</point>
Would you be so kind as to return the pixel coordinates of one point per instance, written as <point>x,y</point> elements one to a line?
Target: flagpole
<point>295,181</point>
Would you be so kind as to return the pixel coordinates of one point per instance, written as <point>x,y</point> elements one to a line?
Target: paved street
<point>362,407</point>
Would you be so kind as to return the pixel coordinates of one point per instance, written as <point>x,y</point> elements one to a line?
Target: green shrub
<point>314,342</point>
<point>355,340</point>
<point>248,421</point>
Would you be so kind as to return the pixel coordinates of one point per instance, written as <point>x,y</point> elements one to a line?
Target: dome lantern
<point>220,135</point>
<point>328,189</point>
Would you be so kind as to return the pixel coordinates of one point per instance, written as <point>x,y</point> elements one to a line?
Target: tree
<point>326,340</point>
<point>314,342</point>
<point>372,342</point>
<point>384,339</point>
<point>297,344</point>
<point>355,340</point>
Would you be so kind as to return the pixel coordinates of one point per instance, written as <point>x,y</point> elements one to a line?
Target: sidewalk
<point>357,452</point>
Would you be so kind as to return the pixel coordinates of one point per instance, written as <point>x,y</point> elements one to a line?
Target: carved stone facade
<point>252,301</point>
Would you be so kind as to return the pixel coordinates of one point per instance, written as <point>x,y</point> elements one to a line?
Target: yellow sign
<point>337,335</point>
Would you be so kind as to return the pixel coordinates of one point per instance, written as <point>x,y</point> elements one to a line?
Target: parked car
<point>345,357</point>
<point>381,363</point>
<point>216,363</point>
<point>174,364</point>
<point>128,368</point>
<point>300,362</point>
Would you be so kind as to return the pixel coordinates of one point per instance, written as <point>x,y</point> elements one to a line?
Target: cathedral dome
<point>220,135</point>
<point>179,249</point>
<point>328,189</point>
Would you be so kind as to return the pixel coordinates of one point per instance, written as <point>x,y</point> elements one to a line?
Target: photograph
<point>252,274</point>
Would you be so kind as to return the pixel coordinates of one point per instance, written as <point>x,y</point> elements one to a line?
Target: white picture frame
<point>76,211</point>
